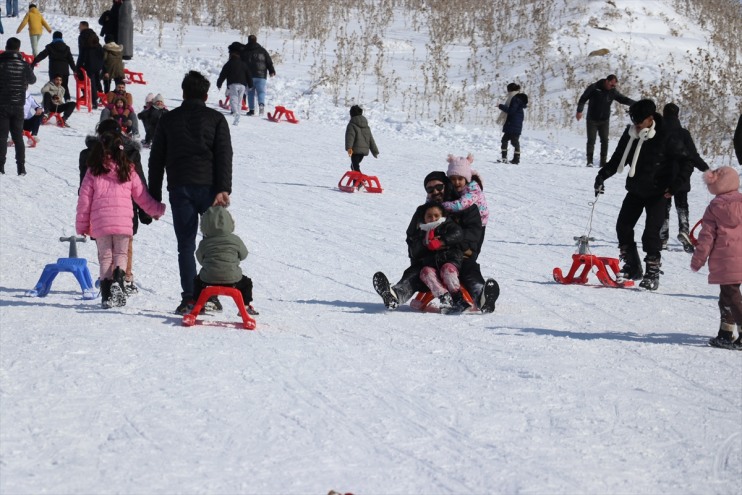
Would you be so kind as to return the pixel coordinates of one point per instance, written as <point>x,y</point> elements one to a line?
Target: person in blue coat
<point>514,122</point>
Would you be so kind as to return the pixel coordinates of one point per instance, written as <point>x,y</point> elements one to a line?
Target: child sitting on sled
<point>439,253</point>
<point>219,253</point>
<point>468,185</point>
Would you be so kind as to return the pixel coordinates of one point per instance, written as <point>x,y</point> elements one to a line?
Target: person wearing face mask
<point>658,164</point>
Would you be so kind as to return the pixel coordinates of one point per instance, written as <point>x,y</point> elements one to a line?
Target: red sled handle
<point>693,238</point>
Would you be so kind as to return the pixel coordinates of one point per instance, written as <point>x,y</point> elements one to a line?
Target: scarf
<point>503,116</point>
<point>643,135</point>
<point>430,228</point>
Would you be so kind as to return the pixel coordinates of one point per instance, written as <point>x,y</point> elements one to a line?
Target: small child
<point>104,211</point>
<point>150,116</point>
<point>468,185</point>
<point>358,138</point>
<point>513,107</point>
<point>720,241</point>
<point>121,112</point>
<point>219,253</point>
<point>440,255</point>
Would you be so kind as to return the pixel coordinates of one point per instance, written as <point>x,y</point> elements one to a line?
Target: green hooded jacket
<point>220,251</point>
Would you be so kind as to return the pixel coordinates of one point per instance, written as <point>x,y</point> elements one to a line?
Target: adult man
<point>599,96</point>
<point>439,189</point>
<point>658,165</point>
<point>120,91</point>
<point>192,144</point>
<point>53,94</point>
<point>670,114</point>
<point>60,58</point>
<point>260,64</point>
<point>15,75</point>
<point>85,32</point>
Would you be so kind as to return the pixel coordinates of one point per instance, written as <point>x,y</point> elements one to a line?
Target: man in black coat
<point>60,60</point>
<point>15,75</point>
<point>671,121</point>
<point>659,165</point>
<point>485,293</point>
<point>193,146</point>
<point>599,96</point>
<point>261,66</point>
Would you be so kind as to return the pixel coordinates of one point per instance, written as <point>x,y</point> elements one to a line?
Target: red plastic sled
<point>31,143</point>
<point>422,300</point>
<point>587,262</point>
<point>693,238</point>
<point>225,104</point>
<point>248,321</point>
<point>56,115</point>
<point>283,112</point>
<point>353,181</point>
<point>133,77</point>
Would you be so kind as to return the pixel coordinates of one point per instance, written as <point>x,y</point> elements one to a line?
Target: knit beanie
<point>157,98</point>
<point>641,110</point>
<point>722,180</point>
<point>439,176</point>
<point>461,166</point>
<point>57,35</point>
<point>149,98</point>
<point>355,110</point>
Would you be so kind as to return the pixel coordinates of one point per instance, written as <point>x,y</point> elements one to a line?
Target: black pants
<point>631,210</point>
<point>730,304</point>
<point>11,121</point>
<point>355,162</point>
<point>514,139</point>
<point>65,82</point>
<point>244,286</point>
<point>601,128</point>
<point>32,125</point>
<point>65,109</point>
<point>681,205</point>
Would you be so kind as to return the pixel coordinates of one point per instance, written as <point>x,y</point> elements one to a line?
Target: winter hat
<point>641,110</point>
<point>355,110</point>
<point>461,166</point>
<point>57,35</point>
<point>513,87</point>
<point>149,98</point>
<point>722,180</point>
<point>235,47</point>
<point>670,110</point>
<point>158,98</point>
<point>440,176</point>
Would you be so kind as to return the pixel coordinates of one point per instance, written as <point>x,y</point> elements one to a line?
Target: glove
<point>273,74</point>
<point>434,244</point>
<point>144,217</point>
<point>599,187</point>
<point>376,155</point>
<point>350,151</point>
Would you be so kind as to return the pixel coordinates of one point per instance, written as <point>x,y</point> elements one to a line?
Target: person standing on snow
<point>358,138</point>
<point>15,76</point>
<point>513,125</point>
<point>60,60</point>
<point>261,66</point>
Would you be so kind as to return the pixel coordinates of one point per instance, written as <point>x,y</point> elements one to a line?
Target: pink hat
<point>722,180</point>
<point>461,166</point>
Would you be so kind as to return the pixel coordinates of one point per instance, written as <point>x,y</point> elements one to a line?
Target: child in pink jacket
<point>720,241</point>
<point>104,211</point>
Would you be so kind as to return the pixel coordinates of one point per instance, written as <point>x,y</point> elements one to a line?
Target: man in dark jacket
<point>15,75</point>
<point>599,97</point>
<point>659,165</point>
<point>193,146</point>
<point>485,293</point>
<point>237,75</point>
<point>671,121</point>
<point>261,66</point>
<point>60,59</point>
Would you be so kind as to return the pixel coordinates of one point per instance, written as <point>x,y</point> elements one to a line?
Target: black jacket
<point>60,58</point>
<point>235,71</point>
<point>15,73</point>
<point>452,236</point>
<point>672,125</point>
<point>600,101</point>
<point>192,143</point>
<point>738,140</point>
<point>91,59</point>
<point>258,61</point>
<point>470,222</point>
<point>663,163</point>
<point>132,150</point>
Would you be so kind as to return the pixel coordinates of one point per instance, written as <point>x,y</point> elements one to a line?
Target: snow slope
<point>565,389</point>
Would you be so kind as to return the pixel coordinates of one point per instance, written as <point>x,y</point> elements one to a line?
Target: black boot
<point>504,158</point>
<point>384,289</point>
<point>516,158</point>
<point>105,293</point>
<point>118,296</point>
<point>632,265</point>
<point>459,304</point>
<point>651,280</point>
<point>683,235</point>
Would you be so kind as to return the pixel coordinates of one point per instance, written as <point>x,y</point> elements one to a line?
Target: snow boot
<point>504,158</point>
<point>459,304</point>
<point>213,305</point>
<point>118,296</point>
<point>725,338</point>
<point>516,158</point>
<point>130,288</point>
<point>446,304</point>
<point>651,280</point>
<point>632,265</point>
<point>105,293</point>
<point>489,296</point>
<point>384,289</point>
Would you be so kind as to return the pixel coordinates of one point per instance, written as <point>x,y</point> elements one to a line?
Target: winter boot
<point>489,296</point>
<point>504,158</point>
<point>212,305</point>
<point>651,280</point>
<point>684,236</point>
<point>261,109</point>
<point>118,296</point>
<point>632,265</point>
<point>516,158</point>
<point>459,304</point>
<point>445,303</point>
<point>130,288</point>
<point>603,161</point>
<point>105,293</point>
<point>384,289</point>
<point>725,338</point>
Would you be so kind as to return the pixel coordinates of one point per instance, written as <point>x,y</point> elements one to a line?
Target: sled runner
<point>248,322</point>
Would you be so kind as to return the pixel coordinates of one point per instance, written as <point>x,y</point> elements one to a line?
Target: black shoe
<point>105,293</point>
<point>250,113</point>
<point>725,340</point>
<point>445,303</point>
<point>684,239</point>
<point>185,307</point>
<point>130,288</point>
<point>489,296</point>
<point>651,280</point>
<point>213,305</point>
<point>632,265</point>
<point>459,303</point>
<point>251,310</point>
<point>384,289</point>
<point>118,293</point>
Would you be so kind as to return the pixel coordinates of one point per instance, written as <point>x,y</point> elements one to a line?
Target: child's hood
<point>359,120</point>
<point>217,221</point>
<point>727,209</point>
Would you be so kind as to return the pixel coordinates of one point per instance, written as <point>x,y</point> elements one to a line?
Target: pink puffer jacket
<point>720,240</point>
<point>104,205</point>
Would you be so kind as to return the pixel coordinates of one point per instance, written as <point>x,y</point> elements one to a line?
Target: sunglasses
<point>436,188</point>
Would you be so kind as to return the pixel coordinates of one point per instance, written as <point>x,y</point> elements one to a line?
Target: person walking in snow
<point>237,75</point>
<point>219,253</point>
<point>720,243</point>
<point>358,139</point>
<point>15,76</point>
<point>513,126</point>
<point>659,164</point>
<point>60,61</point>
<point>599,96</point>
<point>12,8</point>
<point>259,62</point>
<point>670,114</point>
<point>36,25</point>
<point>104,211</point>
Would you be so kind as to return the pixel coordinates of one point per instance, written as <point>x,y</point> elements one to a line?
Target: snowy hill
<point>564,389</point>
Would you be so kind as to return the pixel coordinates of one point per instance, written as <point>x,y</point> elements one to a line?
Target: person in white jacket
<point>32,115</point>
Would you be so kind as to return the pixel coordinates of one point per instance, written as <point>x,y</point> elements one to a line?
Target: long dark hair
<point>109,148</point>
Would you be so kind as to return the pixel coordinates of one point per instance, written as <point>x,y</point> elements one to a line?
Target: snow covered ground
<point>564,389</point>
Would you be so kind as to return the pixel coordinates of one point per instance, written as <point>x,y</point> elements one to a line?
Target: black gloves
<point>599,188</point>
<point>143,217</point>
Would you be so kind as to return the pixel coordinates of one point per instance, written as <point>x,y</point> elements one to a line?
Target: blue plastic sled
<point>77,266</point>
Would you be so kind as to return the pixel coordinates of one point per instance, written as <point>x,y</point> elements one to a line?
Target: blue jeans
<point>258,85</point>
<point>11,8</point>
<point>187,203</point>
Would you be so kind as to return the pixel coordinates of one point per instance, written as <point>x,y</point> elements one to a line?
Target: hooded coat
<point>359,138</point>
<point>515,115</point>
<point>220,251</point>
<point>36,22</point>
<point>113,62</point>
<point>720,240</point>
<point>60,58</point>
